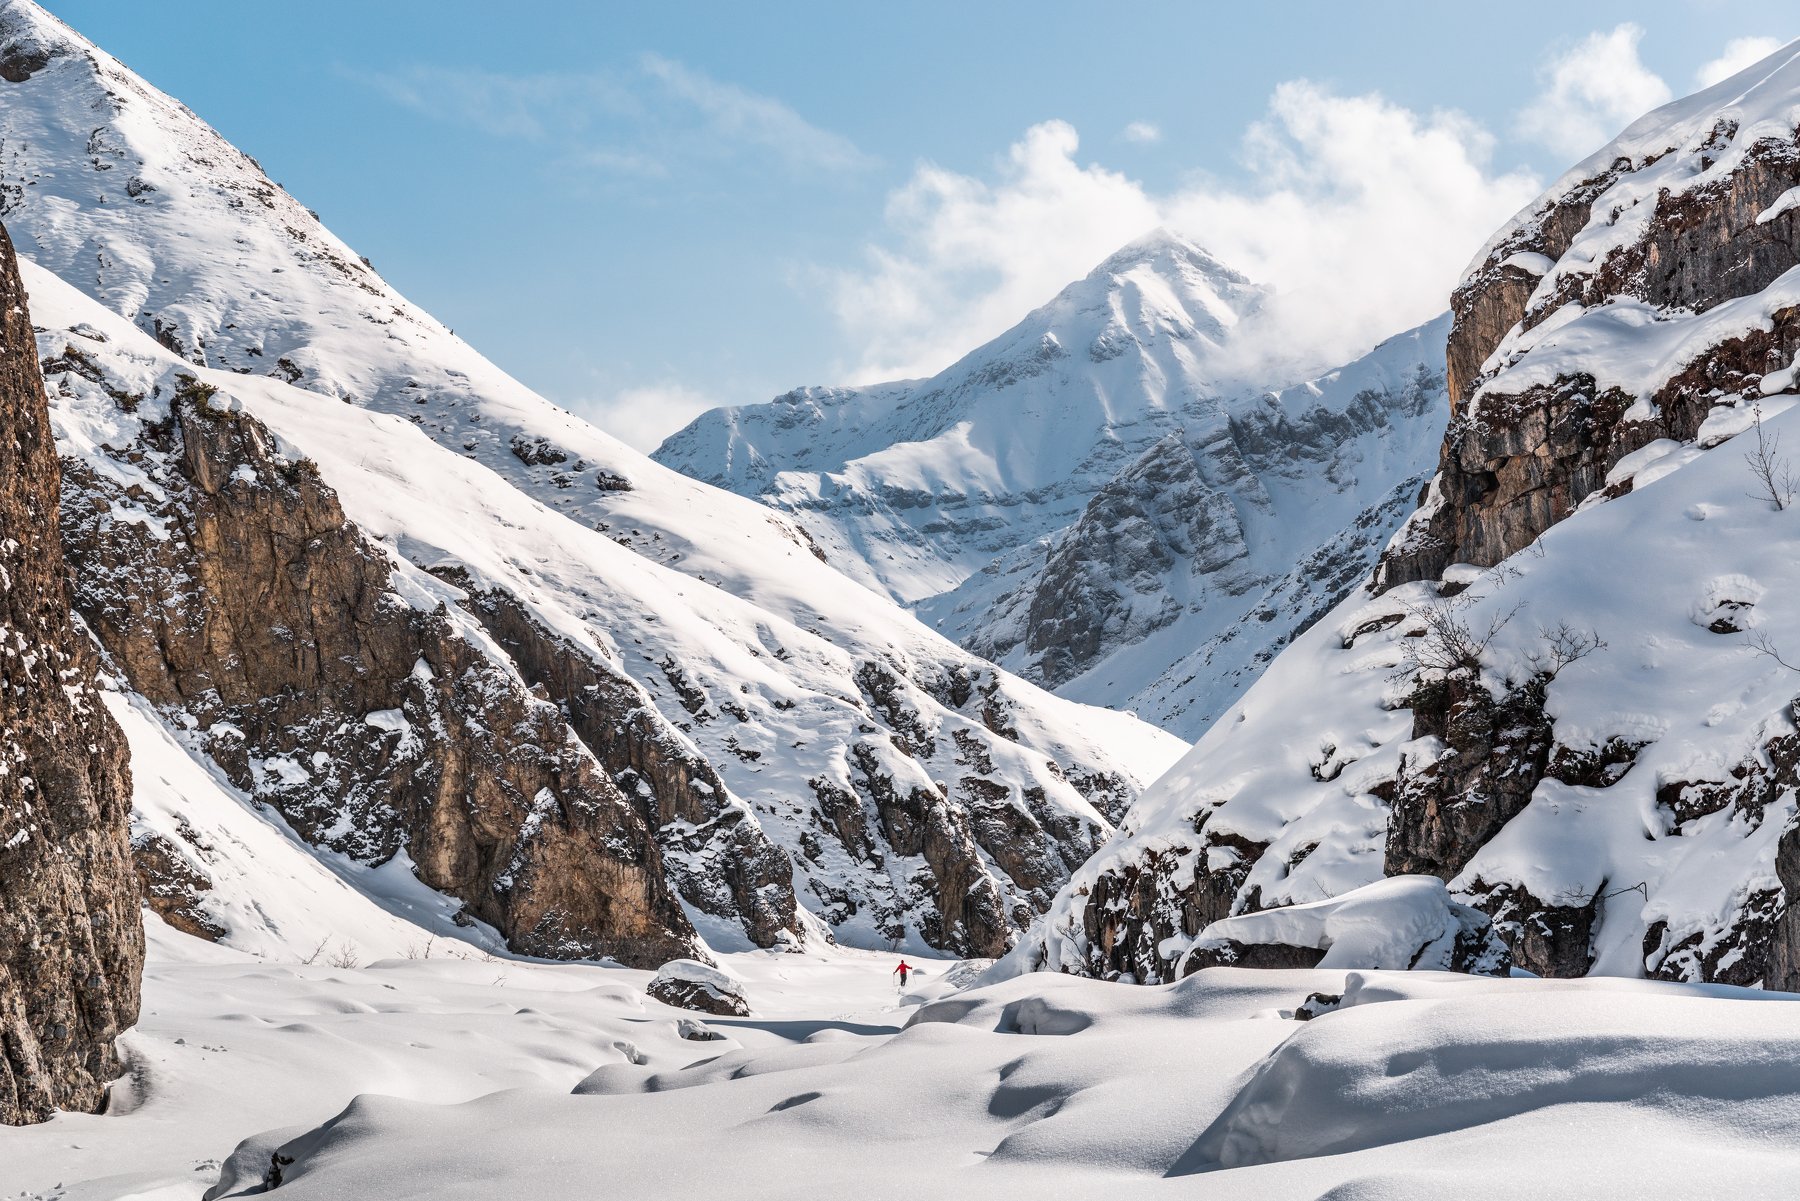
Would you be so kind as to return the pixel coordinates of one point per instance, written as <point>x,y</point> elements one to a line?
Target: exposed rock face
<point>1490,755</point>
<point>714,852</point>
<point>1181,536</point>
<point>1135,908</point>
<point>71,944</point>
<point>1517,459</point>
<point>250,611</point>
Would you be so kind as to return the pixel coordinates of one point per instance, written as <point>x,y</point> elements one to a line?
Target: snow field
<point>449,1078</point>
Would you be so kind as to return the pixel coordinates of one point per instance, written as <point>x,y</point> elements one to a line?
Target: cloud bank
<point>1359,212</point>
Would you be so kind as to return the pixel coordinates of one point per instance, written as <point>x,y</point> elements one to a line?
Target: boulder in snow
<point>690,984</point>
<point>1406,922</point>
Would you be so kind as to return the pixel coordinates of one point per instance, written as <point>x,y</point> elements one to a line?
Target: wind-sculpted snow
<point>1568,690</point>
<point>380,1081</point>
<point>774,720</point>
<point>1107,499</point>
<point>1406,923</point>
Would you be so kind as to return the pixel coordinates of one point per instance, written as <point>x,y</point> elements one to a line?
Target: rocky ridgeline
<point>71,946</point>
<point>1159,528</point>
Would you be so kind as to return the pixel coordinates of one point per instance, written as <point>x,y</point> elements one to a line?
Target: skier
<point>903,971</point>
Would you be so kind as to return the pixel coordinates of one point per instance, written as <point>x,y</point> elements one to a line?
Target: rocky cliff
<point>71,945</point>
<point>241,602</point>
<point>1568,690</point>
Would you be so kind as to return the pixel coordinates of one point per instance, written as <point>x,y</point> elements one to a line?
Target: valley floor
<point>452,1077</point>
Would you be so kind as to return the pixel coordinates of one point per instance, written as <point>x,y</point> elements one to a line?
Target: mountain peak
<point>1166,246</point>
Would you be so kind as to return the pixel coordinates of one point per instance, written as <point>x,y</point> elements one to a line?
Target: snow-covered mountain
<point>376,585</point>
<point>1569,688</point>
<point>1107,498</point>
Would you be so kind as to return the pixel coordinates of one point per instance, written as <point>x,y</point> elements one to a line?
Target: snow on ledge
<point>1404,922</point>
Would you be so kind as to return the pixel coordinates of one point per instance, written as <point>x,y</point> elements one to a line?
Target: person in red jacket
<point>904,970</point>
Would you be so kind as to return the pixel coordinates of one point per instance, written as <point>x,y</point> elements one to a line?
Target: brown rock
<point>374,728</point>
<point>71,943</point>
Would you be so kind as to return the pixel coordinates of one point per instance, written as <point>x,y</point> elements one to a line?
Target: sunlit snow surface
<point>472,1078</point>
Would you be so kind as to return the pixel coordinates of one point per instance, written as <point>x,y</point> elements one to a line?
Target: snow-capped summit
<point>1103,496</point>
<point>790,737</point>
<point>915,485</point>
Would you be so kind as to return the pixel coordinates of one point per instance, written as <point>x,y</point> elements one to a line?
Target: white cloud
<point>1360,212</point>
<point>642,417</point>
<point>973,257</point>
<point>630,123</point>
<point>745,117</point>
<point>1738,54</point>
<point>1142,132</point>
<point>1591,92</point>
<point>503,106</point>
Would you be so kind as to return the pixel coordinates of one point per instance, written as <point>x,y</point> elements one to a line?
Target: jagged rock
<point>1516,461</point>
<point>1133,911</point>
<point>1476,761</point>
<point>716,855</point>
<point>173,888</point>
<point>249,609</point>
<point>71,944</point>
<point>688,984</point>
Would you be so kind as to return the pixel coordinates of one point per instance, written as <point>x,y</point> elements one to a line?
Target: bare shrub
<point>1774,475</point>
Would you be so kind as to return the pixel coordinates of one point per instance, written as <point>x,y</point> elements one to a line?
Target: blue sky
<point>642,210</point>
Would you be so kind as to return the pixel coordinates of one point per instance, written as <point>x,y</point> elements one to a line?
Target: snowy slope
<point>801,689</point>
<point>1571,698</point>
<point>448,1079</point>
<point>1108,496</point>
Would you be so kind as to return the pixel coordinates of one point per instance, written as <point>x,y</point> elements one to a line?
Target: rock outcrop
<point>71,945</point>
<point>238,599</point>
<point>1521,456</point>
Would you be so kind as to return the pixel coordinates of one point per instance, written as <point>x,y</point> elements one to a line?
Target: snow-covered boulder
<point>1408,922</point>
<point>690,984</point>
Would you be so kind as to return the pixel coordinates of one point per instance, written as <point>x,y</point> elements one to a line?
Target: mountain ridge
<point>982,495</point>
<point>772,720</point>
